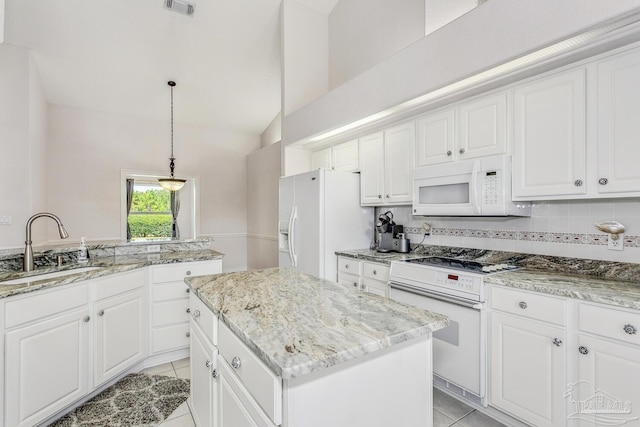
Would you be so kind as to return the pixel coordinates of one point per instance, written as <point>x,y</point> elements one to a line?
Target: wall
<point>22,130</point>
<point>494,33</point>
<point>439,13</point>
<point>363,33</point>
<point>560,228</point>
<point>87,151</point>
<point>273,132</point>
<point>305,52</point>
<point>263,173</point>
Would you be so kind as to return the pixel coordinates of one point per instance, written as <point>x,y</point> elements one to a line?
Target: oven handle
<point>437,296</point>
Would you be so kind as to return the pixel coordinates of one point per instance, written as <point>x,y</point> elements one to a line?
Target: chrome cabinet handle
<point>375,272</point>
<point>188,310</point>
<point>387,196</point>
<point>355,284</point>
<point>449,153</point>
<point>86,319</point>
<point>235,362</point>
<point>363,287</point>
<point>346,266</point>
<point>557,342</point>
<point>188,334</point>
<point>583,350</point>
<point>101,313</point>
<point>196,313</point>
<point>461,151</point>
<point>523,305</point>
<point>379,196</point>
<point>188,272</point>
<point>578,183</point>
<point>214,374</point>
<point>603,181</point>
<point>630,329</point>
<point>207,363</point>
<point>188,290</point>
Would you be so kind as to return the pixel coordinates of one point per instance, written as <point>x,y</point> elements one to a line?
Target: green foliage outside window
<point>150,226</point>
<point>150,215</point>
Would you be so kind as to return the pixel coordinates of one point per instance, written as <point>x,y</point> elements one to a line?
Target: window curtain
<point>129,202</point>
<point>175,208</point>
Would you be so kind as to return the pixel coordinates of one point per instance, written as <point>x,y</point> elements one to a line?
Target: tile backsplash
<point>558,228</point>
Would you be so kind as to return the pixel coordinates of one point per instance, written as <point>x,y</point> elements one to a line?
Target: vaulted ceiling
<point>116,56</point>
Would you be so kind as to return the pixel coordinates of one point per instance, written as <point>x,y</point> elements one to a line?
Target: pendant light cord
<point>172,158</point>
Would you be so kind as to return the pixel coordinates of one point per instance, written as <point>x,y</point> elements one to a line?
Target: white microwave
<point>476,187</point>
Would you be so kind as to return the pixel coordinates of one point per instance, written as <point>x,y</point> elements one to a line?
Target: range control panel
<point>456,281</point>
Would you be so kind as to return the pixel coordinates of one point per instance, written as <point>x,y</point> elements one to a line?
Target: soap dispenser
<point>83,252</point>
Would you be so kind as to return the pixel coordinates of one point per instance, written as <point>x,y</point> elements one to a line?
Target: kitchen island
<point>327,355</point>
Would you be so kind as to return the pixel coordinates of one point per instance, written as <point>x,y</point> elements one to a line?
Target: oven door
<point>458,349</point>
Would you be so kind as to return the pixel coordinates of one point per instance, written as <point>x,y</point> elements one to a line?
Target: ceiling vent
<point>180,6</point>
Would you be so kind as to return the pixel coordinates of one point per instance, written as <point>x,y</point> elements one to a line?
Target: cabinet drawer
<point>177,272</point>
<point>39,305</point>
<point>528,304</point>
<point>261,383</point>
<point>203,317</point>
<point>170,312</point>
<point>119,283</point>
<point>172,290</point>
<point>169,338</point>
<point>349,265</point>
<point>350,280</point>
<point>375,287</point>
<point>610,323</point>
<point>375,271</point>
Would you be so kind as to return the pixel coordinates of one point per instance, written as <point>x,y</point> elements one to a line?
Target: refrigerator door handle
<point>292,236</point>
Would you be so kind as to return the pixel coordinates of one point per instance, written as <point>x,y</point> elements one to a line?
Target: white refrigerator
<point>319,214</point>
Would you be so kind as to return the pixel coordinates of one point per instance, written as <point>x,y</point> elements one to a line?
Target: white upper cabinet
<point>618,124</point>
<point>321,159</point>
<point>549,153</point>
<point>340,157</point>
<point>474,129</point>
<point>386,163</point>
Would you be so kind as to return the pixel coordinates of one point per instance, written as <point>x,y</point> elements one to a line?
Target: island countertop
<point>298,324</point>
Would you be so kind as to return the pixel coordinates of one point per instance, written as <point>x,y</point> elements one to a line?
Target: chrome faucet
<point>27,264</point>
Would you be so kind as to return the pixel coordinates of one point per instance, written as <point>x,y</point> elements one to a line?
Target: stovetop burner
<point>462,264</point>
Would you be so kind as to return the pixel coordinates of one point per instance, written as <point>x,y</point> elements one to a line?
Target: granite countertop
<point>298,324</point>
<point>605,282</point>
<point>107,266</point>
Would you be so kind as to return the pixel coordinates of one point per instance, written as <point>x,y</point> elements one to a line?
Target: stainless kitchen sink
<point>45,276</point>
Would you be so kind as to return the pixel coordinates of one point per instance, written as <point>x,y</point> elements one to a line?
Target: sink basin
<point>45,276</point>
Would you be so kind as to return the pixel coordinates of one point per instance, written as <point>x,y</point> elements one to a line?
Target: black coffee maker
<point>391,235</point>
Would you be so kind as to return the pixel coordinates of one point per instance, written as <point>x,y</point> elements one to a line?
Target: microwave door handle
<point>292,236</point>
<point>474,187</point>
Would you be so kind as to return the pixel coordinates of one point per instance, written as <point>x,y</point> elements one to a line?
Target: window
<point>150,217</point>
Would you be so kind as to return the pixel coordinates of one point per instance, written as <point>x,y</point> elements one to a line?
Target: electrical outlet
<point>617,244</point>
<point>426,229</point>
<point>5,220</point>
<point>153,248</point>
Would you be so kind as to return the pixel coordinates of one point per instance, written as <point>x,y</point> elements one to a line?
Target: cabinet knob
<point>363,287</point>
<point>449,153</point>
<point>188,290</point>
<point>557,342</point>
<point>583,350</point>
<point>208,363</point>
<point>101,313</point>
<point>461,151</point>
<point>522,305</point>
<point>578,183</point>
<point>86,319</point>
<point>387,196</point>
<point>188,272</point>
<point>188,310</point>
<point>379,196</point>
<point>196,313</point>
<point>235,362</point>
<point>603,181</point>
<point>630,329</point>
<point>188,334</point>
<point>215,374</point>
<point>355,284</point>
<point>346,266</point>
<point>375,272</point>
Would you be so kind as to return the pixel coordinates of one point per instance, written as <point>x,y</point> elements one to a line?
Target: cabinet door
<point>619,124</point>
<point>371,150</point>
<point>203,384</point>
<point>528,371</point>
<point>321,159</point>
<point>549,142</point>
<point>345,156</point>
<point>121,338</point>
<point>46,366</point>
<point>608,380</point>
<point>482,129</point>
<point>398,163</point>
<point>435,138</point>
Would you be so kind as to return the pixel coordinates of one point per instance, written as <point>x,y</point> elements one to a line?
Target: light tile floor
<point>447,411</point>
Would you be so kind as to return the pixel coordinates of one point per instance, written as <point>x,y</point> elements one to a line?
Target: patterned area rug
<point>136,400</point>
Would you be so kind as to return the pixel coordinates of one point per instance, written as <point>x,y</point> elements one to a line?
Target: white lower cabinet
<point>366,276</point>
<point>204,379</point>
<point>528,371</point>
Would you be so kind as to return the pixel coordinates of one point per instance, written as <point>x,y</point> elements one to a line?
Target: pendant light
<point>172,184</point>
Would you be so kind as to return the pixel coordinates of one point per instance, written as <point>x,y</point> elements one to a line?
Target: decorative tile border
<point>532,236</point>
